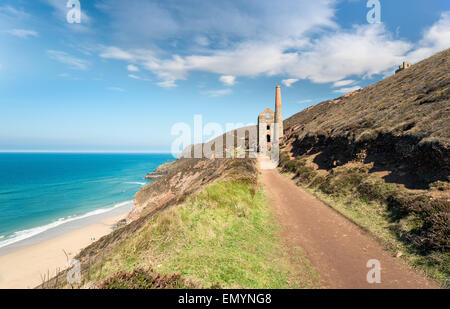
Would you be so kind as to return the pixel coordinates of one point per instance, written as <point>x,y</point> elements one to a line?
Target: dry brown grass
<point>401,123</point>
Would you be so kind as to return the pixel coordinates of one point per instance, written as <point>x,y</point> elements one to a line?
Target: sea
<point>45,194</point>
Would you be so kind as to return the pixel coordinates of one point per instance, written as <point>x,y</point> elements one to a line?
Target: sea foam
<point>24,234</point>
<point>136,183</point>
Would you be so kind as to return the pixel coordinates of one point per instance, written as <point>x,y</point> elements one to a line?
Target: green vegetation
<point>440,185</point>
<point>225,236</point>
<point>144,279</point>
<point>414,226</point>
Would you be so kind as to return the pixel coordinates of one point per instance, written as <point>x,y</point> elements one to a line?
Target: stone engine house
<point>404,66</point>
<point>270,125</point>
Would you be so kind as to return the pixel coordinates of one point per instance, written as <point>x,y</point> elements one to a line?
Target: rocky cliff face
<point>401,124</point>
<point>186,176</point>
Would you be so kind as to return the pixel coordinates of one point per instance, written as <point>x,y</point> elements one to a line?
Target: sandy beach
<point>26,267</point>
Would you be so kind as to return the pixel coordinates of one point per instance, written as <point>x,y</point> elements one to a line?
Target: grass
<point>225,236</point>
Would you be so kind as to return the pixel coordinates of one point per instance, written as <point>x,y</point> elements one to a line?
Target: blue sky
<point>120,79</point>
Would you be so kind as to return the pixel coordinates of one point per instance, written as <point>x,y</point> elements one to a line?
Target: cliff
<point>400,124</point>
<point>186,176</point>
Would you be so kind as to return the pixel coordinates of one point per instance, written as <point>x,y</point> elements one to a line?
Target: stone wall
<point>265,130</point>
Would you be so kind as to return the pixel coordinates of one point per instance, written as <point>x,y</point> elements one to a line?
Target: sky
<point>120,80</point>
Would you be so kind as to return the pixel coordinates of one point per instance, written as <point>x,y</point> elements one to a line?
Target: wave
<point>136,183</point>
<point>22,235</point>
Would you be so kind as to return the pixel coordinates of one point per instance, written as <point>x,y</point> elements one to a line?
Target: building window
<point>268,138</point>
<point>268,127</point>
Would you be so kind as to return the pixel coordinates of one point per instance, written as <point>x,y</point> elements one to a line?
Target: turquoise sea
<point>41,191</point>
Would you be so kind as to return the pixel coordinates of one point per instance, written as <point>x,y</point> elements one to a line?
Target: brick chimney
<point>278,113</point>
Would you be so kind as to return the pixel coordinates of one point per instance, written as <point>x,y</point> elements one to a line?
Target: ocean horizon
<point>43,191</point>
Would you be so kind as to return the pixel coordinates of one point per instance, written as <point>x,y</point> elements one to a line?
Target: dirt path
<point>338,249</point>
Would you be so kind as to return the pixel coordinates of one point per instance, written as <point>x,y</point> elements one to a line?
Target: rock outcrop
<point>162,170</point>
<point>184,177</point>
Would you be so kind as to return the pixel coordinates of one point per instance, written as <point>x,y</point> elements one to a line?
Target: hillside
<point>401,124</point>
<point>380,156</point>
<point>192,228</point>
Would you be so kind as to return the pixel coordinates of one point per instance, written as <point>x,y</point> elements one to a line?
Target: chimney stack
<point>278,113</point>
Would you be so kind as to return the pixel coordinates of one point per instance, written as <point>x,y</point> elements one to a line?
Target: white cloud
<point>289,82</point>
<point>305,101</point>
<point>22,33</point>
<point>343,83</point>
<point>202,41</point>
<point>228,80</point>
<point>8,11</point>
<point>116,53</point>
<point>248,32</point>
<point>133,76</point>
<point>167,84</point>
<point>317,49</point>
<point>132,68</point>
<point>63,57</point>
<point>323,60</point>
<point>68,76</point>
<point>435,39</point>
<point>217,93</point>
<point>335,56</point>
<point>118,89</point>
<point>347,90</point>
<point>216,20</point>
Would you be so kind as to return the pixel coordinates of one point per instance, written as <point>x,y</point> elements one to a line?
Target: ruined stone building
<point>270,125</point>
<point>404,66</point>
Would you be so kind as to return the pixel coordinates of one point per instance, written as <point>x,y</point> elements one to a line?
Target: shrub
<point>306,174</point>
<point>284,158</point>
<point>434,233</point>
<point>440,185</point>
<point>144,279</point>
<point>289,166</point>
<point>376,190</point>
<point>318,181</point>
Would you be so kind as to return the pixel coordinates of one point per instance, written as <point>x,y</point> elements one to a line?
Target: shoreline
<point>24,265</point>
<point>38,234</point>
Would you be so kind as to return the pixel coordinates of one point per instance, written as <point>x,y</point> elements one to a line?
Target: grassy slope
<point>401,124</point>
<point>223,236</point>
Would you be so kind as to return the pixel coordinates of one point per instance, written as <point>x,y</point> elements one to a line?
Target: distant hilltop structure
<point>270,124</point>
<point>404,66</point>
